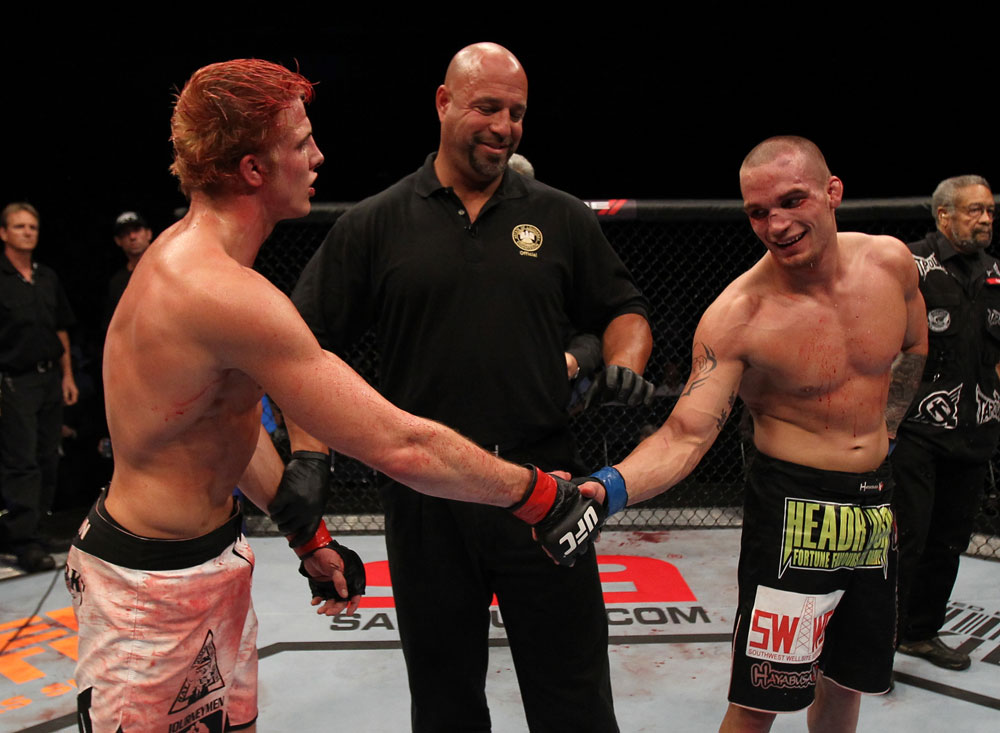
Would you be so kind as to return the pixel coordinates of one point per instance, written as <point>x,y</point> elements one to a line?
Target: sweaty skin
<point>199,336</point>
<point>807,338</point>
<point>812,367</point>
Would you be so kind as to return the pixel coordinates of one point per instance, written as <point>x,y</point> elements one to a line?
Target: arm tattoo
<point>726,412</point>
<point>701,368</point>
<point>906,372</point>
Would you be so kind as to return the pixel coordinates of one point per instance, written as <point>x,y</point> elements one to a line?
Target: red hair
<point>226,111</point>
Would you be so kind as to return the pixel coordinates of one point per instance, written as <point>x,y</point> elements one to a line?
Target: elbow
<point>408,455</point>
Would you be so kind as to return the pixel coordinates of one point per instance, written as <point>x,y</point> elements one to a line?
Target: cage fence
<point>682,254</point>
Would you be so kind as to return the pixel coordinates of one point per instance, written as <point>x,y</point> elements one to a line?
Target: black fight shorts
<point>817,579</point>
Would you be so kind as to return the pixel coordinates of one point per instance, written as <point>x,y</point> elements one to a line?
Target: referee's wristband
<point>616,495</point>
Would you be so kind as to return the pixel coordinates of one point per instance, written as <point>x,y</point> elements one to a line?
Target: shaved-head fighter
<point>823,339</point>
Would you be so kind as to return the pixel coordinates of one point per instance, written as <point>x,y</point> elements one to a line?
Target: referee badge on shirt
<point>528,238</point>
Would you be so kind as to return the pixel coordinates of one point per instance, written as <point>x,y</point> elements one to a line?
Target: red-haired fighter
<point>159,572</point>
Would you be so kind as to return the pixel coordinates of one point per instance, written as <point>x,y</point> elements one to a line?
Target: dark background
<point>615,110</point>
<point>619,107</point>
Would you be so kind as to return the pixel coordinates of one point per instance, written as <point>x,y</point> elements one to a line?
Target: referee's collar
<point>511,186</point>
<point>946,251</point>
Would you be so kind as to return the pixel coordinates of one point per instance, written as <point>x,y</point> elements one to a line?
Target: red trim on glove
<point>541,496</point>
<point>320,539</point>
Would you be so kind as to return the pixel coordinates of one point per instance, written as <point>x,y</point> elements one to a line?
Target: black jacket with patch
<point>957,407</point>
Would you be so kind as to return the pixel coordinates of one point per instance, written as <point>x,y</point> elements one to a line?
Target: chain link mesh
<point>682,255</point>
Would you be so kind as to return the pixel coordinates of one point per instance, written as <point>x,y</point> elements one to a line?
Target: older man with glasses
<point>944,445</point>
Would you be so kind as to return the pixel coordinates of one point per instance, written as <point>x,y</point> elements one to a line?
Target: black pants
<point>447,559</point>
<point>30,426</point>
<point>936,501</point>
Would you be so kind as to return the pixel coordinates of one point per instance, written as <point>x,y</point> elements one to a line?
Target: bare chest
<point>805,348</point>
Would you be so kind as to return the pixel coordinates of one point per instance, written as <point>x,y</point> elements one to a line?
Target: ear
<point>442,100</point>
<point>252,170</point>
<point>835,190</point>
<point>943,221</point>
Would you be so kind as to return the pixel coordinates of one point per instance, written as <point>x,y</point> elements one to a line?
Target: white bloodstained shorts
<point>168,635</point>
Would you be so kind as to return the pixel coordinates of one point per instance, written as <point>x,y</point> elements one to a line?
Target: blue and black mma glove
<point>615,493</point>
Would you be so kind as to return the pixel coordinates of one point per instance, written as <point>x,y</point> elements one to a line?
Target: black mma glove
<point>620,384</point>
<point>586,349</point>
<point>354,574</point>
<point>298,506</point>
<point>565,523</point>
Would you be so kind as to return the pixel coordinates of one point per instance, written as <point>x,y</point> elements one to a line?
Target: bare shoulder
<point>745,296</point>
<point>880,251</point>
<point>193,288</point>
<point>725,321</point>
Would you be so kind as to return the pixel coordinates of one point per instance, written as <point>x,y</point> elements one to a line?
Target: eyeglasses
<point>977,210</point>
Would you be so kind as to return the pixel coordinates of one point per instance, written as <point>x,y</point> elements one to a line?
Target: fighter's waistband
<point>838,482</point>
<point>101,536</point>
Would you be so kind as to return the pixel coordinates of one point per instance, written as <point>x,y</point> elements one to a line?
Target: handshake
<point>564,521</point>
